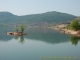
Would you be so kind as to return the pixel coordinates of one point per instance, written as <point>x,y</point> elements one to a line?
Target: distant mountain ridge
<point>49,17</point>
<point>5,16</point>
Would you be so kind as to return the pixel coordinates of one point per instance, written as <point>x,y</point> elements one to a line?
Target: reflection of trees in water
<point>16,37</point>
<point>21,38</point>
<point>74,40</point>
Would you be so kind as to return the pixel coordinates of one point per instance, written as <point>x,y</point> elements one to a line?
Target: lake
<point>38,44</point>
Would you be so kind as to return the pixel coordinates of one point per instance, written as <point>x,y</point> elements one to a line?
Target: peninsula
<point>70,27</point>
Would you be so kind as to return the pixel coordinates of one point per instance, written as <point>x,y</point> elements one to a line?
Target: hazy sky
<point>24,7</point>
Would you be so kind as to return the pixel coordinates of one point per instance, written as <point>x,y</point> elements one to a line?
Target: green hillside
<point>48,17</point>
<point>6,17</point>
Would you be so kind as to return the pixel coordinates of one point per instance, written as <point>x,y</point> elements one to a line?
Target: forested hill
<point>49,17</point>
<point>6,16</point>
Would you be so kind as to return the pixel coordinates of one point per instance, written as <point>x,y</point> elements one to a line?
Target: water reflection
<point>74,40</point>
<point>20,38</point>
<point>16,37</point>
<point>44,35</point>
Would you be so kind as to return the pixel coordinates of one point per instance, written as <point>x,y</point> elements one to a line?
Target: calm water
<point>38,44</point>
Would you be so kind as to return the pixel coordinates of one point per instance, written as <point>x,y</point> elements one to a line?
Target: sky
<point>25,7</point>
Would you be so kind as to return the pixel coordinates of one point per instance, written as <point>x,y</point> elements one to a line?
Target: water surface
<point>38,44</point>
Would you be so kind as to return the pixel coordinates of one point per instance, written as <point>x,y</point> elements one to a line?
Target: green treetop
<point>74,25</point>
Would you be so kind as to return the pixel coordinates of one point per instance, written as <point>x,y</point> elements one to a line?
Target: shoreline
<point>61,28</point>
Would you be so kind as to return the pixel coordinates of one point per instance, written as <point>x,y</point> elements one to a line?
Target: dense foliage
<point>75,25</point>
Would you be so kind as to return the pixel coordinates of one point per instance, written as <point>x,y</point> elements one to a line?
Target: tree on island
<point>16,29</point>
<point>22,27</point>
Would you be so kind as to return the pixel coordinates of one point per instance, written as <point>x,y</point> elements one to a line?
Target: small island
<point>17,33</point>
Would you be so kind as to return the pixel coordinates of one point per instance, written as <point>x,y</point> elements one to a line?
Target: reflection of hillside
<point>49,36</point>
<point>3,36</point>
<point>45,35</point>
